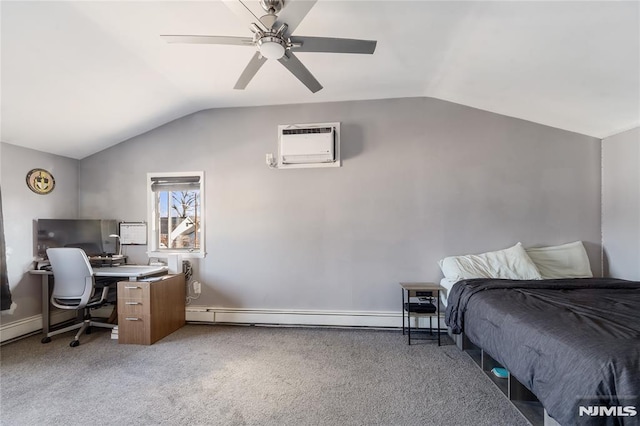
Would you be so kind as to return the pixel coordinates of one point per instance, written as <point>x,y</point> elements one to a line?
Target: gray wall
<point>21,207</point>
<point>621,204</point>
<point>421,179</point>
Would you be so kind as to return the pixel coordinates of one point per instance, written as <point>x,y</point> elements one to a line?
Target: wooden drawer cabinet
<point>150,310</point>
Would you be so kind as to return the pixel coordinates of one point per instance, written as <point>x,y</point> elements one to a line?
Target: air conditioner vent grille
<point>307,131</point>
<point>304,145</point>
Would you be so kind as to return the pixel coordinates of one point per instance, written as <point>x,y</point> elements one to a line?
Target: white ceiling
<point>80,76</point>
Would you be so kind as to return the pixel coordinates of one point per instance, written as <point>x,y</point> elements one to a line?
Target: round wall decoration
<point>40,181</point>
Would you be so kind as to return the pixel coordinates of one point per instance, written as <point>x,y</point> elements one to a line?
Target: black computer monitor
<point>91,235</point>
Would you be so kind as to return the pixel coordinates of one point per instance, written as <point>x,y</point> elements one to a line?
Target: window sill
<point>184,254</point>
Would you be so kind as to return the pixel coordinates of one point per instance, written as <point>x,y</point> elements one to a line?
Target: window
<point>176,214</point>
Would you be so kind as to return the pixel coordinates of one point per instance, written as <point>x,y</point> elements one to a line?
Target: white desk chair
<point>74,288</point>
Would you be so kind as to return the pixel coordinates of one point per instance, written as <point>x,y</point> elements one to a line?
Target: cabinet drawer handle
<point>131,286</point>
<point>132,319</point>
<point>132,303</point>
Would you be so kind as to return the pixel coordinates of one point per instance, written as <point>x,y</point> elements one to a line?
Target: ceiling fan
<point>273,39</point>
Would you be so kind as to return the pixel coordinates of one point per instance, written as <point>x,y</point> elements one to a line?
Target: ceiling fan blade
<point>334,45</point>
<point>199,39</point>
<point>250,70</point>
<point>293,64</point>
<point>293,13</point>
<point>244,13</point>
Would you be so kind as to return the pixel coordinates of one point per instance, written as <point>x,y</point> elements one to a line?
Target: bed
<point>571,341</point>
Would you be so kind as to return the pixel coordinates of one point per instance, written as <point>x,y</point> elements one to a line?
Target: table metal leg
<point>438,315</point>
<point>46,319</point>
<point>403,323</point>
<point>408,318</point>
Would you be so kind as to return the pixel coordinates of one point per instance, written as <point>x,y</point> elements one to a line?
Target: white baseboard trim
<point>377,319</point>
<point>205,314</point>
<point>29,325</point>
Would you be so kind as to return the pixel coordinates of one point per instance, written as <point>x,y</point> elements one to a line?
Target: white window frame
<point>153,222</point>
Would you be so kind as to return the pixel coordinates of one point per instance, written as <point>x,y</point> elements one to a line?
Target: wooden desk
<point>131,272</point>
<point>150,310</point>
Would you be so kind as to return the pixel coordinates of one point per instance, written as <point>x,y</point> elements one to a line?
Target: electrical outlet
<point>197,287</point>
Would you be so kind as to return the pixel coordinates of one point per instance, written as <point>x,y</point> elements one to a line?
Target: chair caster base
<point>45,340</point>
<point>74,343</point>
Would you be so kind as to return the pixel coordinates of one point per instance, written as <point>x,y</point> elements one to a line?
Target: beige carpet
<point>232,375</point>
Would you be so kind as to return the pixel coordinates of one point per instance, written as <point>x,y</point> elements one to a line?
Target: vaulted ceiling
<point>80,76</point>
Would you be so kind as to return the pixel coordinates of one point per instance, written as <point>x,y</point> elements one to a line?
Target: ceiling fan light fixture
<point>271,47</point>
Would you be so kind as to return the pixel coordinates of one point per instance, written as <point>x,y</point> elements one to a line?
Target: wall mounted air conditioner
<point>309,145</point>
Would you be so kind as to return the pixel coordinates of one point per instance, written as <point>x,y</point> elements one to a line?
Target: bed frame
<point>518,394</point>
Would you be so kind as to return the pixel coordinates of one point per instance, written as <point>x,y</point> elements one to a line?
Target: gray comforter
<point>572,342</point>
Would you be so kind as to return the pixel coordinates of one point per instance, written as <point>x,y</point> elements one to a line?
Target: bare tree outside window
<point>183,227</point>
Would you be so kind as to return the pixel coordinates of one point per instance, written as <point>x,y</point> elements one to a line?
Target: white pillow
<point>564,261</point>
<point>512,263</point>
